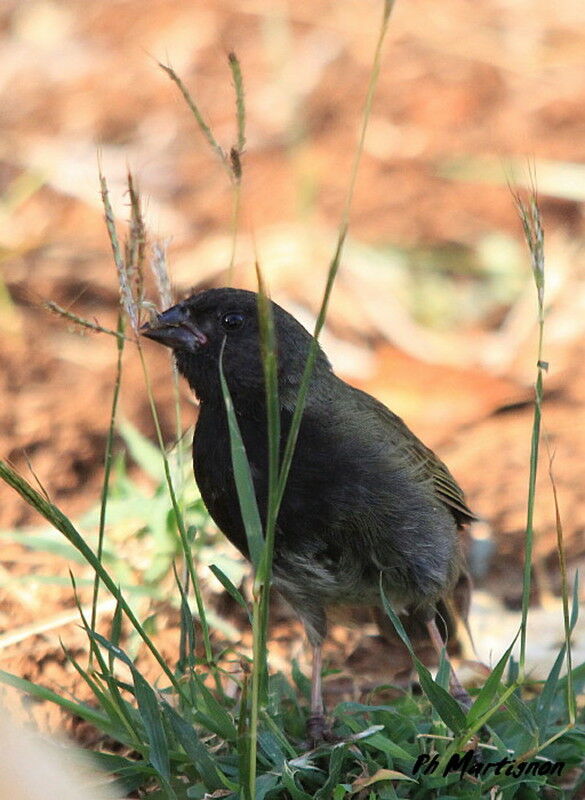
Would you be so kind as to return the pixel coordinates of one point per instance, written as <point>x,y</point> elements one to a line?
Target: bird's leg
<point>457,689</point>
<point>316,727</point>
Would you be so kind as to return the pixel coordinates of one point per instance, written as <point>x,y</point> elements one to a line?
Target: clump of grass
<point>194,738</point>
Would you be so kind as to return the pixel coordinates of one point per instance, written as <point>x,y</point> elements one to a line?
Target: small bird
<point>366,503</point>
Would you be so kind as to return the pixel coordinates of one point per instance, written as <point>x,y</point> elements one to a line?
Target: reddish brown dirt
<point>454,84</point>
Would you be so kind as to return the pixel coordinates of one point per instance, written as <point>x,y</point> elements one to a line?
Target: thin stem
<point>263,575</point>
<point>334,265</point>
<point>571,699</point>
<point>234,224</point>
<point>55,308</point>
<point>201,123</point>
<point>535,750</point>
<point>534,235</point>
<point>236,157</point>
<point>107,470</point>
<point>240,105</point>
<point>258,643</point>
<point>277,484</point>
<point>177,511</point>
<point>529,538</point>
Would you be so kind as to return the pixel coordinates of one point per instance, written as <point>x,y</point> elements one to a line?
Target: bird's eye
<point>232,320</point>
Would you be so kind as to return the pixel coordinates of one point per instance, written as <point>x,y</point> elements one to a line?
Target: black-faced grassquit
<point>365,502</point>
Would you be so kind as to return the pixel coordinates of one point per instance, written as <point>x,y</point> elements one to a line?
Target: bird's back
<point>379,421</point>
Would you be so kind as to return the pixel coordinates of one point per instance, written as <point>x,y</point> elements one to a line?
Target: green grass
<point>221,724</point>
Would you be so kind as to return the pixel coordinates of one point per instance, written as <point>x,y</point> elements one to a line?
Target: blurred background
<point>434,310</point>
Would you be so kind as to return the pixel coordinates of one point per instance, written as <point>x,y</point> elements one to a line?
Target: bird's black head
<point>197,328</point>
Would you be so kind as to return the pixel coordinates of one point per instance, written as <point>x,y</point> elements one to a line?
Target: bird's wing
<point>424,461</point>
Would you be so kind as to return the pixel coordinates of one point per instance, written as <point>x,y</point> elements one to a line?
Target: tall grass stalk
<point>132,307</point>
<point>232,165</point>
<point>335,261</point>
<point>533,232</point>
<point>262,578</point>
<point>270,367</point>
<point>278,476</point>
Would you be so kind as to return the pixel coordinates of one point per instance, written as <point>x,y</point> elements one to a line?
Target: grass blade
<point>490,688</point>
<point>149,709</point>
<point>242,476</point>
<point>571,697</point>
<point>445,705</point>
<point>233,592</point>
<point>187,658</point>
<point>186,734</point>
<point>96,718</point>
<point>546,698</point>
<point>108,465</point>
<point>213,710</point>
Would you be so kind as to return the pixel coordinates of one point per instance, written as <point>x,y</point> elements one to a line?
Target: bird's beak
<point>174,328</point>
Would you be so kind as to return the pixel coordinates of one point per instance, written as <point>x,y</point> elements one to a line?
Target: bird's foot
<point>319,731</point>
